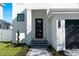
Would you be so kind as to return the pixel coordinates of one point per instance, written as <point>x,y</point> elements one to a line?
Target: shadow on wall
<point>25,39</point>
<point>29,37</point>
<point>21,37</point>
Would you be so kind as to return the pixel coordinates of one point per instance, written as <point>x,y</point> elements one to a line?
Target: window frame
<point>20,15</point>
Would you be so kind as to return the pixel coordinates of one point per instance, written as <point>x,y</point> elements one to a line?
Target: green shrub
<point>54,52</point>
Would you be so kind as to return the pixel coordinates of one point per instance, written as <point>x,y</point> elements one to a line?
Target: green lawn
<point>7,49</point>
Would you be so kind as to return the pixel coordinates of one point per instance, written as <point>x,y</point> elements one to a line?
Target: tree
<point>18,34</point>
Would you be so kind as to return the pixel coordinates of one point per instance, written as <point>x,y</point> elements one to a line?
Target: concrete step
<point>39,43</point>
<point>39,46</point>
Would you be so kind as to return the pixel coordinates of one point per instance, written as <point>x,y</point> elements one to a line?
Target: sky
<point>7,12</point>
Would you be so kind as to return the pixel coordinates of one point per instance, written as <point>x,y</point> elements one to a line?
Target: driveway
<point>72,52</point>
<point>38,52</point>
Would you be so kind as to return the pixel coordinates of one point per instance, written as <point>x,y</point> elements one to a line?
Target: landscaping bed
<point>55,53</point>
<point>8,49</point>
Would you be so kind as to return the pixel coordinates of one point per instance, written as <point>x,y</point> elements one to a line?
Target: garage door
<point>72,34</point>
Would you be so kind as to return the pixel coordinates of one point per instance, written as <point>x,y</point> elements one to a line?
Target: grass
<point>55,53</point>
<point>7,49</point>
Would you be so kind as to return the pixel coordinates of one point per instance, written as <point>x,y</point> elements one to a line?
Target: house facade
<point>4,24</point>
<point>41,22</point>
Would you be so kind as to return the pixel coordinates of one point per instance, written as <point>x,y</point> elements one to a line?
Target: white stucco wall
<point>60,34</point>
<point>19,25</point>
<point>23,26</point>
<point>53,32</point>
<point>29,26</point>
<point>65,5</point>
<point>17,8</point>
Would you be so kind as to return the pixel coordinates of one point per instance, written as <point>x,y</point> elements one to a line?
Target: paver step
<point>39,43</point>
<point>38,52</point>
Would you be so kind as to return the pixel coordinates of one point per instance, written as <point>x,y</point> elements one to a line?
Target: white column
<point>29,26</point>
<point>61,35</point>
<point>29,21</point>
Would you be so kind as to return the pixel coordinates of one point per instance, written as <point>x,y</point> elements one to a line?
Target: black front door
<point>39,28</point>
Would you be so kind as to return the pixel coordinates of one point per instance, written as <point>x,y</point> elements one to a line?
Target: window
<point>59,24</point>
<point>20,17</point>
<point>39,21</point>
